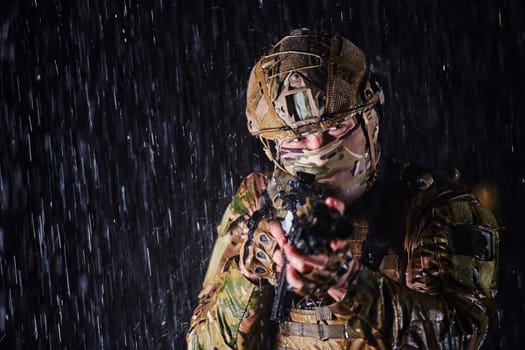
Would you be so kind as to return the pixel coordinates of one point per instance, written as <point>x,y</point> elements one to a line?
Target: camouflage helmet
<point>308,83</point>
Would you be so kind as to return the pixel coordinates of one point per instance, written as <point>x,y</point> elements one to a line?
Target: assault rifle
<point>310,225</point>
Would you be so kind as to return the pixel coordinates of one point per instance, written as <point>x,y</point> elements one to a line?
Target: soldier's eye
<point>298,142</point>
<point>340,129</point>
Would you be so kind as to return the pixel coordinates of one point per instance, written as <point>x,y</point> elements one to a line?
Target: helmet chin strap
<point>371,147</point>
<point>268,152</point>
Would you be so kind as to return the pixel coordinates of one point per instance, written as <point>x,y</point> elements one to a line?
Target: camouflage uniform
<point>427,279</point>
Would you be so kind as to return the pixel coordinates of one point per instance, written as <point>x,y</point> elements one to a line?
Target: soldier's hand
<point>321,274</point>
<point>262,254</point>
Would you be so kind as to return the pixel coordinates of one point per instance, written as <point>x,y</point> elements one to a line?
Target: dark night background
<point>123,139</point>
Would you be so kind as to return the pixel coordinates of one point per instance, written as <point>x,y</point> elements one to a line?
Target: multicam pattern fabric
<point>450,264</point>
<point>232,311</point>
<point>304,77</point>
<point>354,150</point>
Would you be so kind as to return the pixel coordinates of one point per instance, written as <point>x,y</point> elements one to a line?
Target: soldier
<point>416,266</point>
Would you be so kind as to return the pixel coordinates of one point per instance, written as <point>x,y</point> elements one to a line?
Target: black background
<point>123,138</point>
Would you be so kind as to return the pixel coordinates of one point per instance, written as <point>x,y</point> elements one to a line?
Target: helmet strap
<point>269,153</point>
<point>371,147</point>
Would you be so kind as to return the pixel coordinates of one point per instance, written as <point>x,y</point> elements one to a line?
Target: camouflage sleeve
<point>231,311</point>
<point>452,248</point>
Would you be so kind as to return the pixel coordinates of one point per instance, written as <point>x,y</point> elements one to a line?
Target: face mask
<point>346,156</point>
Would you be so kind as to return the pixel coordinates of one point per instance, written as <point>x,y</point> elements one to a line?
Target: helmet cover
<point>308,83</point>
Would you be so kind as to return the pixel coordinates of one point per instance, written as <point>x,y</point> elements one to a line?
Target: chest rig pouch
<point>377,240</point>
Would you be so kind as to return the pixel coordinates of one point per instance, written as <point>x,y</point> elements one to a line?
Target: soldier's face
<point>320,139</point>
<point>338,156</point>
